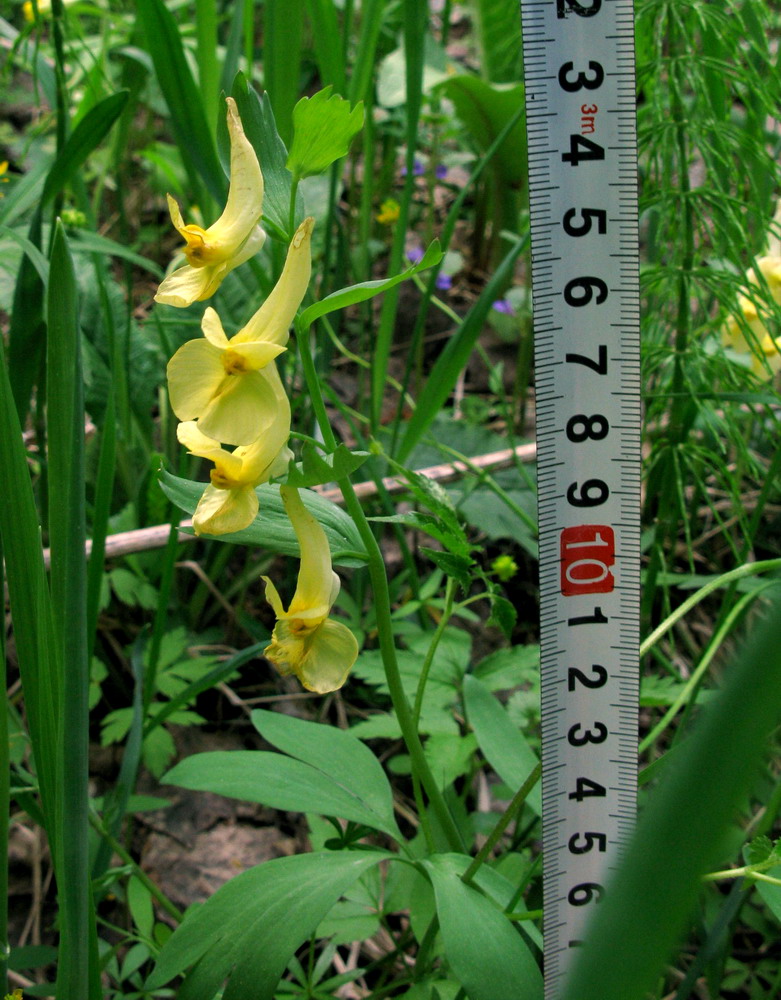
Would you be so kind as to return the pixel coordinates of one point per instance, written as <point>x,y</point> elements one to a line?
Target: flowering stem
<point>384,622</point>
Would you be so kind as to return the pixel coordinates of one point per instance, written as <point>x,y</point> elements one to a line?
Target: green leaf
<point>260,128</point>
<point>279,782</point>
<point>503,614</point>
<point>272,528</point>
<point>338,755</point>
<point>324,127</point>
<point>84,241</point>
<point>316,468</point>
<point>502,745</point>
<point>88,134</point>
<point>453,541</point>
<point>252,926</point>
<point>771,894</point>
<point>486,953</point>
<point>366,289</point>
<point>500,48</point>
<point>459,567</point>
<point>37,259</point>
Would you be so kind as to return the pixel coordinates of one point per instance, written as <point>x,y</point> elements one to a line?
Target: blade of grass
<point>451,361</point>
<point>208,68</point>
<point>104,488</point>
<point>29,597</point>
<point>415,24</point>
<point>230,65</point>
<point>365,58</point>
<point>188,118</point>
<point>5,805</point>
<point>76,973</point>
<point>282,49</point>
<point>115,802</point>
<point>682,832</point>
<point>327,43</point>
<point>88,134</point>
<point>27,334</point>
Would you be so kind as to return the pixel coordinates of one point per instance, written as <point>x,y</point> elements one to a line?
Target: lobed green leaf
<point>323,128</point>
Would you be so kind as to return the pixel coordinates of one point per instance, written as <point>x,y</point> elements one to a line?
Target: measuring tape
<point>580,110</point>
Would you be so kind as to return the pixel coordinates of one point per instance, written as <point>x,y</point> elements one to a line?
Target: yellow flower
<point>305,641</point>
<point>16,995</point>
<point>44,9</point>
<point>217,381</point>
<point>234,238</point>
<point>762,344</point>
<point>389,211</point>
<point>230,502</point>
<point>3,172</point>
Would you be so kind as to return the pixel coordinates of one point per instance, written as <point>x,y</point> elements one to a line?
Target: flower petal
<point>211,324</point>
<point>244,409</point>
<point>272,321</point>
<point>245,196</point>
<point>332,651</point>
<point>315,577</point>
<point>221,512</point>
<point>195,374</point>
<point>273,598</point>
<point>258,354</point>
<point>188,284</point>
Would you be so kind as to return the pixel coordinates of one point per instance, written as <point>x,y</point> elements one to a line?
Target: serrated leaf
<point>758,850</point>
<point>279,903</point>
<point>459,567</point>
<point>453,541</point>
<point>315,468</point>
<point>272,528</point>
<point>503,614</point>
<point>366,289</point>
<point>324,126</point>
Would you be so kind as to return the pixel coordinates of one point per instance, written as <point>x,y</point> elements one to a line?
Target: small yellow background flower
<point>234,238</point>
<point>762,341</point>
<point>305,641</point>
<point>218,381</point>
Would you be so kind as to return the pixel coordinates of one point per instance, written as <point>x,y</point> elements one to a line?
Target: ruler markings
<point>583,198</point>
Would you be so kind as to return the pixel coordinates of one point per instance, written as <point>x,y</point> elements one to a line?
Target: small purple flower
<point>504,306</point>
<point>443,282</point>
<point>440,171</point>
<point>415,255</point>
<point>417,169</point>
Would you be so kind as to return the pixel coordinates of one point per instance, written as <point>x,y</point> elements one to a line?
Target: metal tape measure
<point>580,110</point>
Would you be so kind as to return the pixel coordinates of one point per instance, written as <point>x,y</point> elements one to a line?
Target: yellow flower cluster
<point>227,391</point>
<point>761,345</point>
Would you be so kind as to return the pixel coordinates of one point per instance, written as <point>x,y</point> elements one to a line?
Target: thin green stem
<point>751,569</point>
<point>689,690</point>
<point>450,591</point>
<point>138,872</point>
<point>384,621</point>
<point>509,814</point>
